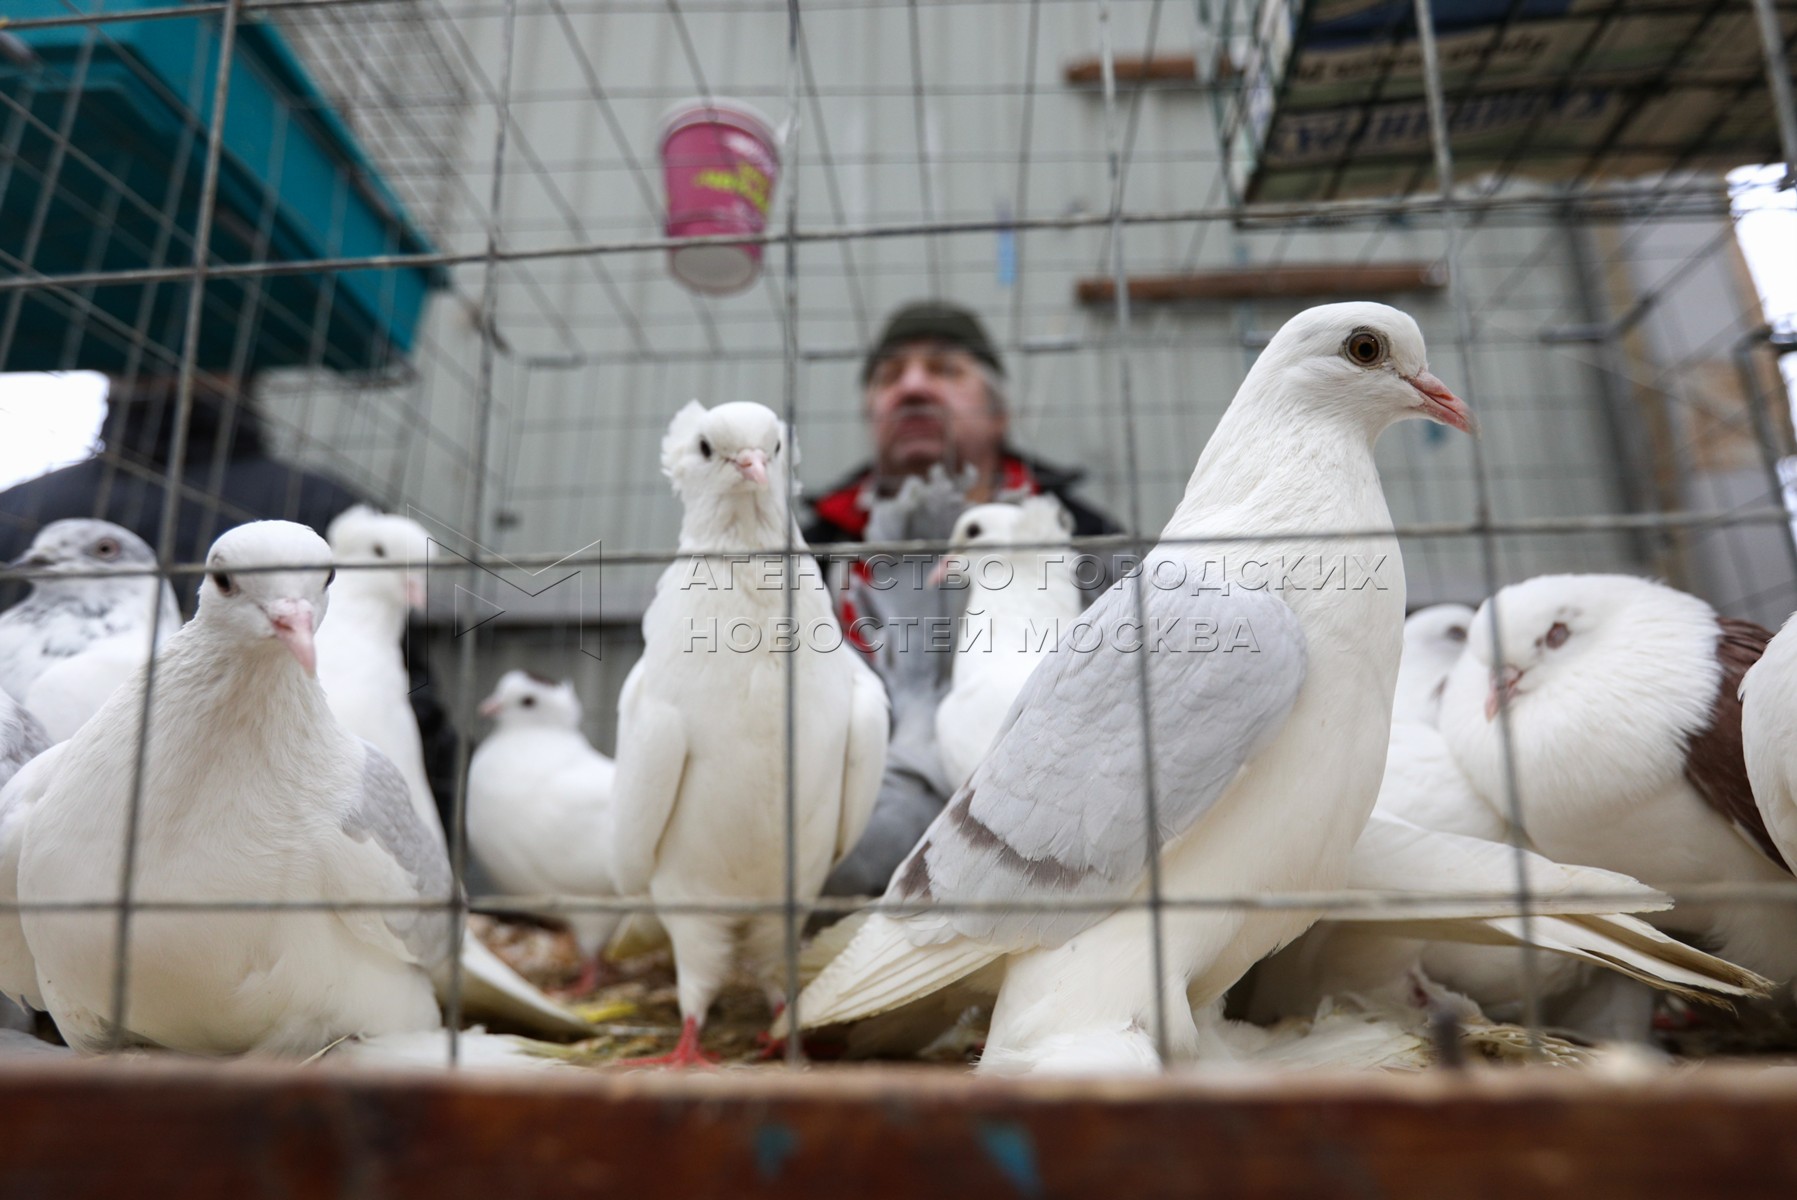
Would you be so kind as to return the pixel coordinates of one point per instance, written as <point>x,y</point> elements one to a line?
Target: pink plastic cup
<point>719,161</point>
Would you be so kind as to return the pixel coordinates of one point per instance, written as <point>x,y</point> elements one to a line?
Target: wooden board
<point>245,1131</point>
<point>1162,68</point>
<point>1298,280</point>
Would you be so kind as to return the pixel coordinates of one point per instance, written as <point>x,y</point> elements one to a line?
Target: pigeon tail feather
<point>1619,943</point>
<point>882,969</point>
<point>492,991</point>
<point>1638,950</point>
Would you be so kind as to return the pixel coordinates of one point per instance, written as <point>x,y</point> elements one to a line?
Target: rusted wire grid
<point>1450,209</point>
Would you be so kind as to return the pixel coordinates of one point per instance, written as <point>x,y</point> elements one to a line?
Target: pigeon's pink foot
<point>595,974</point>
<point>769,1046</point>
<point>686,1052</point>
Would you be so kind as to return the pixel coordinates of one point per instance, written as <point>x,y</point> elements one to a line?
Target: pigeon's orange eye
<point>1557,635</point>
<point>1365,348</point>
<point>222,582</point>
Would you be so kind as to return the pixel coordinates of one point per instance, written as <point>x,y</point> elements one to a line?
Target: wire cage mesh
<point>418,246</point>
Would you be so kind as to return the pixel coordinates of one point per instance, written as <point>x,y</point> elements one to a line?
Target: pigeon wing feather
<point>1057,808</point>
<point>389,854</point>
<point>651,761</point>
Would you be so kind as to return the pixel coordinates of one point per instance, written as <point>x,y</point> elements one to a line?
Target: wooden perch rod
<point>1251,283</point>
<point>1168,68</point>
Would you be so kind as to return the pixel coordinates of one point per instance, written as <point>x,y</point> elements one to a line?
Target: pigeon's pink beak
<point>1439,404</point>
<point>753,465</point>
<point>945,564</point>
<point>490,707</point>
<point>1503,691</point>
<point>293,621</point>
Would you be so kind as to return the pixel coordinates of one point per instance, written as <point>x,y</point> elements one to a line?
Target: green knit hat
<point>933,320</point>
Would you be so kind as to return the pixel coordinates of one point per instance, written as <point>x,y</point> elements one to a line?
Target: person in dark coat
<point>933,386</point>
<point>229,477</point>
<point>934,391</point>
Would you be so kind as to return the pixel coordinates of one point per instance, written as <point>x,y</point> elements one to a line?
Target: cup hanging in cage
<point>720,161</point>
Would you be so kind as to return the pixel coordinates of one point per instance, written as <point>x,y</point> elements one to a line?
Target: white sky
<point>48,421</point>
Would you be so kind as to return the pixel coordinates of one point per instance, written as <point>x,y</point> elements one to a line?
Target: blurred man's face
<point>928,404</point>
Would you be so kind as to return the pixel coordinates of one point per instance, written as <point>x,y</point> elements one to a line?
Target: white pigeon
<point>1423,785</point>
<point>1017,603</point>
<point>72,641</point>
<point>251,792</point>
<point>1452,892</point>
<point>1434,640</point>
<point>1768,695</point>
<point>1626,742</point>
<point>361,658</point>
<point>540,805</point>
<point>1270,666</point>
<point>701,790</point>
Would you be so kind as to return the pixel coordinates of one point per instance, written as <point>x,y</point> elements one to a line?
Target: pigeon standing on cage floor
<point>251,791</point>
<point>1455,892</point>
<point>1268,708</point>
<point>361,661</point>
<point>71,642</point>
<point>1017,603</point>
<point>540,806</point>
<point>1625,736</point>
<point>701,788</point>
